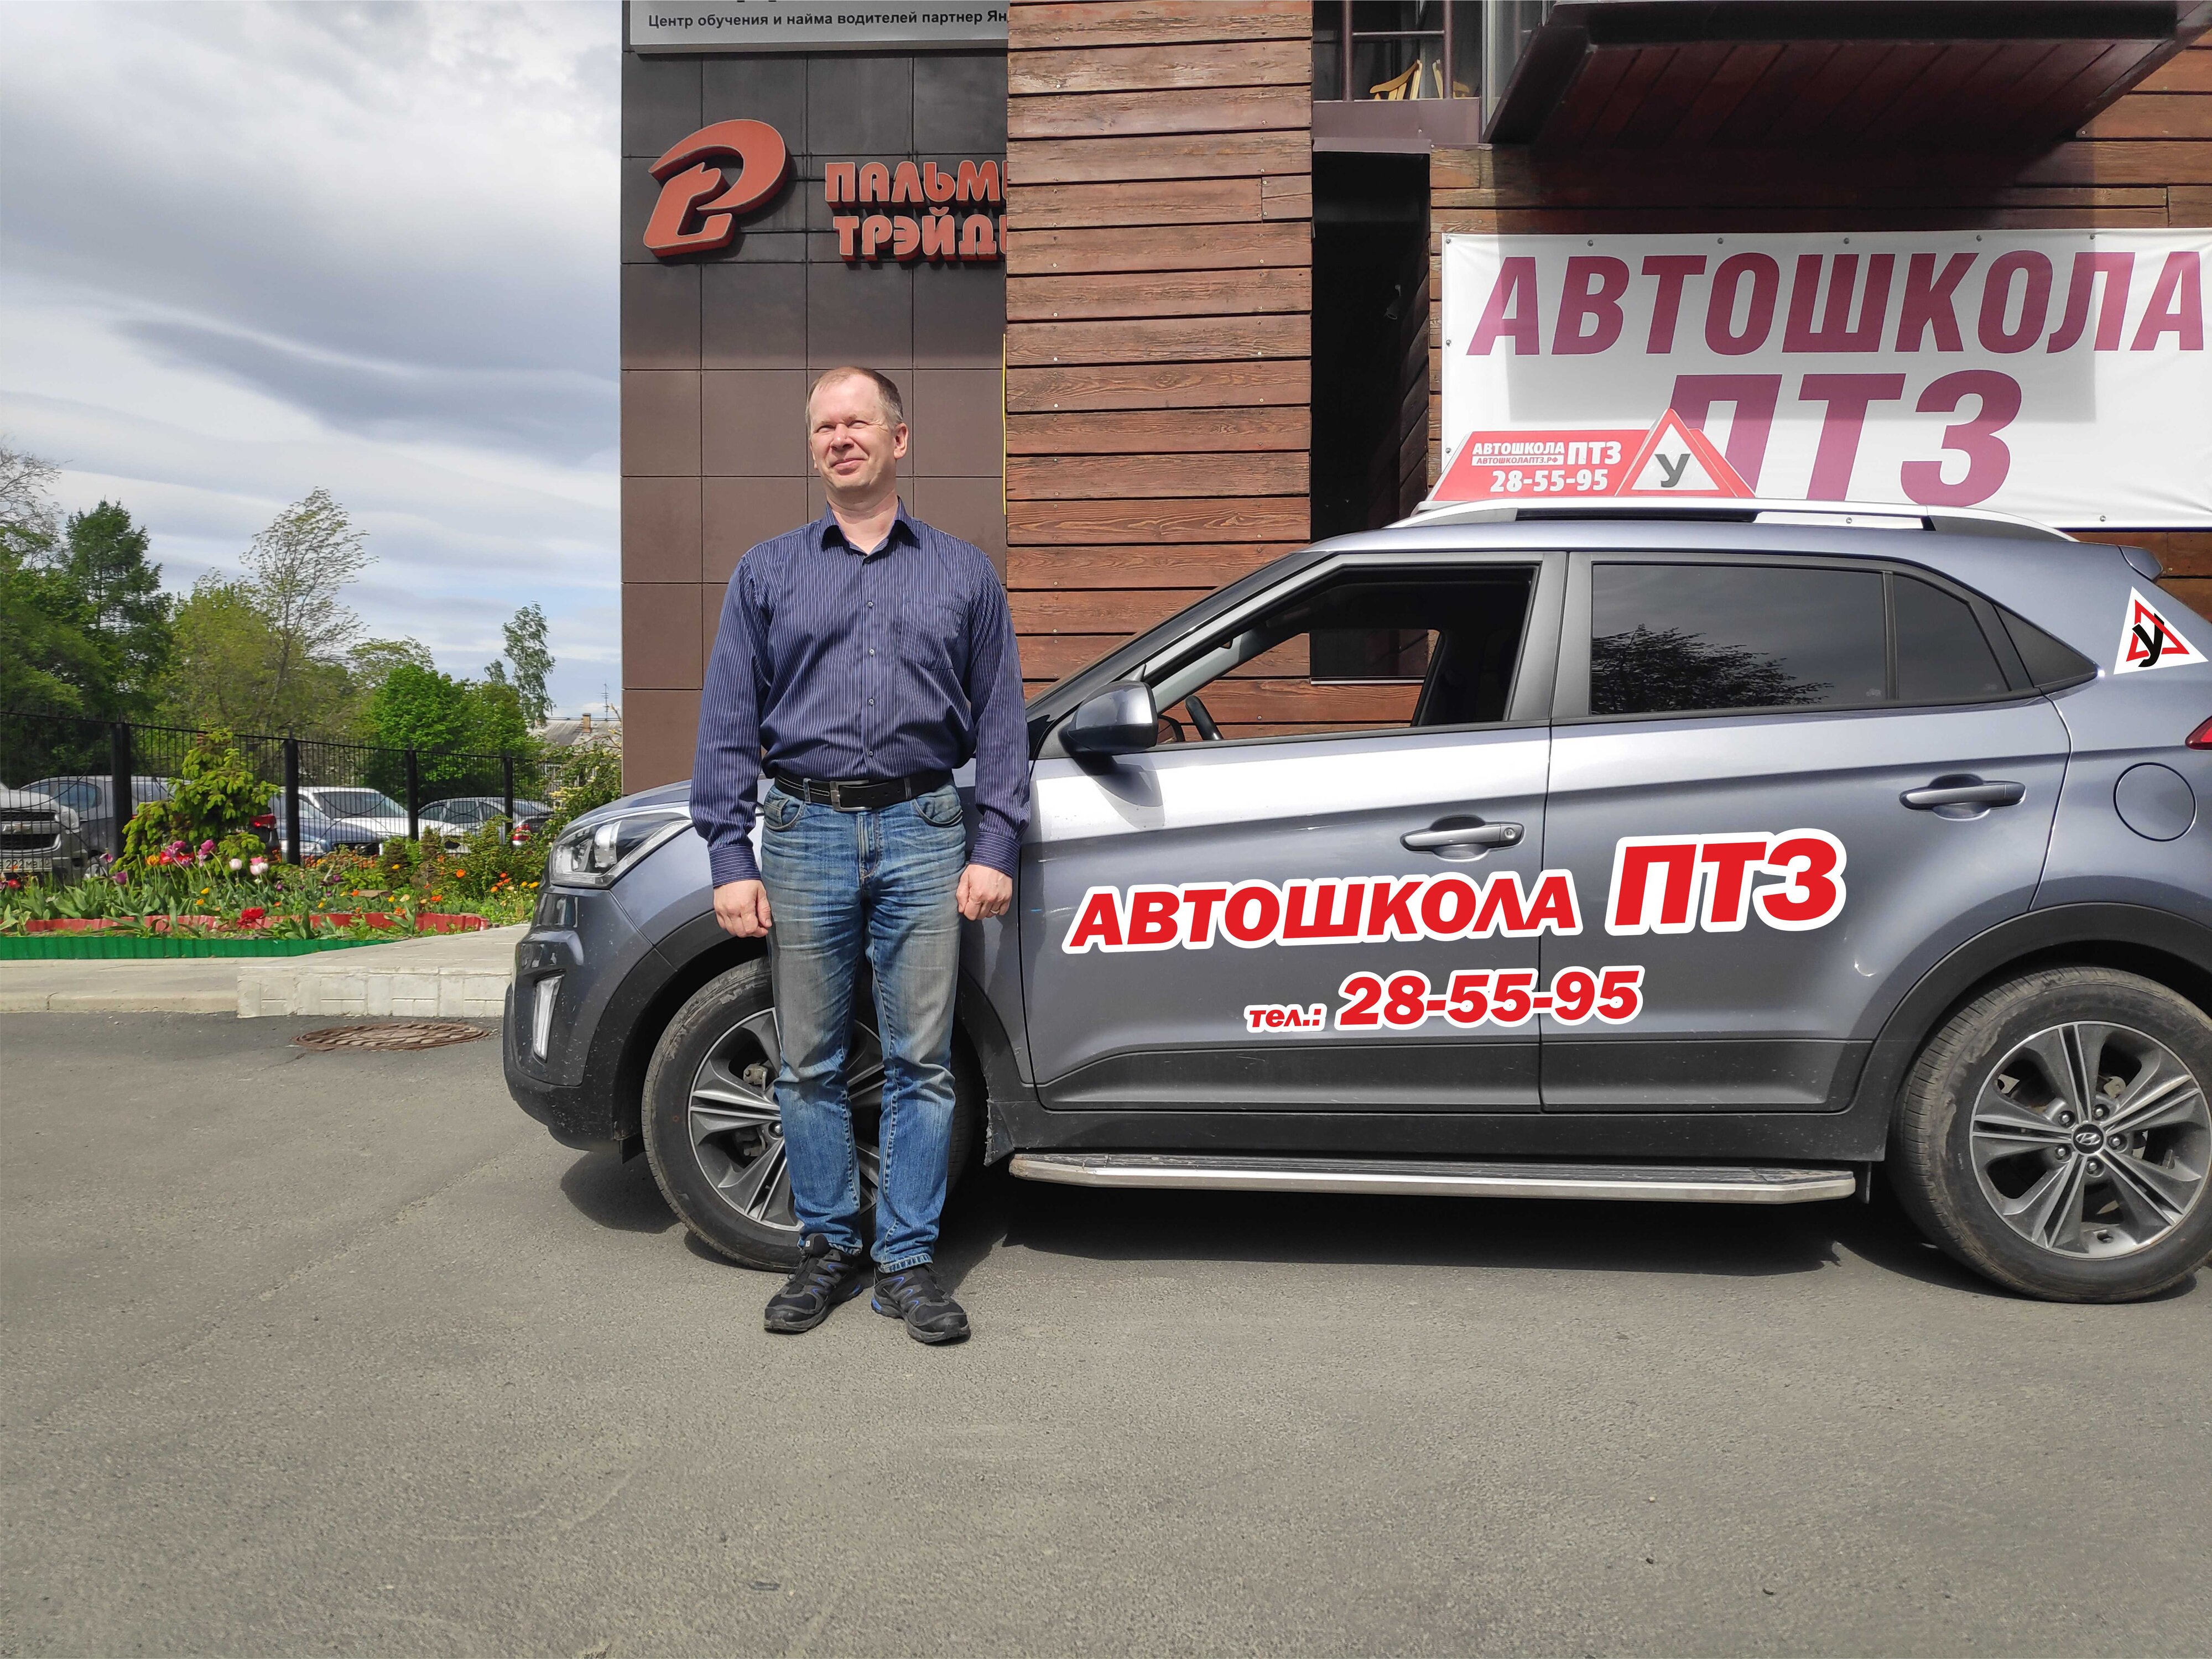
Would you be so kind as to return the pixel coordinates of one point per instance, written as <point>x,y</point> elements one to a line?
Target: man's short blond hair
<point>886,390</point>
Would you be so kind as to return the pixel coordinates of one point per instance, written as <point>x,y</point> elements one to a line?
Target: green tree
<point>271,650</point>
<point>299,566</point>
<point>532,660</point>
<point>130,615</point>
<point>419,708</point>
<point>47,653</point>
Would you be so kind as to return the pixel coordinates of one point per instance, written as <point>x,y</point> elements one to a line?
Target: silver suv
<point>1721,854</point>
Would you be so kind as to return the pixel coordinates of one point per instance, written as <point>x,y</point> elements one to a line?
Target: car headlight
<point>598,854</point>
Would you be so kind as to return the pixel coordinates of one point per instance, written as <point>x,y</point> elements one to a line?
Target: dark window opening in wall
<point>1371,340</point>
<point>1370,362</point>
<point>1397,50</point>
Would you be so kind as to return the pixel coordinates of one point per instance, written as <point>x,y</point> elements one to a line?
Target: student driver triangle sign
<point>2149,640</point>
<point>1675,459</point>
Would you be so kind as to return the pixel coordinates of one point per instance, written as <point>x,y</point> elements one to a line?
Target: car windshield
<point>359,804</point>
<point>532,809</point>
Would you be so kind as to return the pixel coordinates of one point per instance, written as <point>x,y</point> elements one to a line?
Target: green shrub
<point>215,799</point>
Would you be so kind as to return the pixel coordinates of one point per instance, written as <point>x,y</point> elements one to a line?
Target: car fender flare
<point>2104,929</point>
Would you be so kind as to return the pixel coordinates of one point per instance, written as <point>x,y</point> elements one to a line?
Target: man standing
<point>867,655</point>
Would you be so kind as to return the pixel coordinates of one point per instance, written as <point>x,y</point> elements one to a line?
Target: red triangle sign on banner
<point>2149,641</point>
<point>1675,459</point>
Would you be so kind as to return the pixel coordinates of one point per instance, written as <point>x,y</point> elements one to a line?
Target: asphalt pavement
<point>308,1352</point>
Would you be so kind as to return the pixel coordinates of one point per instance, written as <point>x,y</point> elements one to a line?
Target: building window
<point>1394,50</point>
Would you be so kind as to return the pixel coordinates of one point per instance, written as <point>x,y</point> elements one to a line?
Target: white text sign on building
<point>814,25</point>
<point>2060,375</point>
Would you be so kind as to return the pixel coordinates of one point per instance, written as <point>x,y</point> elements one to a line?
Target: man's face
<point>854,447</point>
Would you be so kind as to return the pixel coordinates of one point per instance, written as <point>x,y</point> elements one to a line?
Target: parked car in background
<point>93,800</point>
<point>1732,854</point>
<point>464,815</point>
<point>38,835</point>
<point>332,816</point>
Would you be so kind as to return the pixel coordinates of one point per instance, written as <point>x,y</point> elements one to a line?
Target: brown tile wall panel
<point>660,729</point>
<point>959,316</point>
<point>955,415</point>
<point>860,102</point>
<point>660,316</point>
<point>960,103</point>
<point>751,423</point>
<point>766,87</point>
<point>752,314</point>
<point>660,538</point>
<point>659,103</point>
<point>863,314</point>
<point>659,421</point>
<point>966,507</point>
<point>661,635</point>
<point>735,513</point>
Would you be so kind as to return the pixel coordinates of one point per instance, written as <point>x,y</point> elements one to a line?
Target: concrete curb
<point>452,977</point>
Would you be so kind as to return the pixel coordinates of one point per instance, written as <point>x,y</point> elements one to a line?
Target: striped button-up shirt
<point>838,664</point>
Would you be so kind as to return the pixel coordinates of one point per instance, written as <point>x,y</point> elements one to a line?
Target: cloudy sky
<point>247,250</point>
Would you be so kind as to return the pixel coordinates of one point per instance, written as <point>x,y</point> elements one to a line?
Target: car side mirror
<point>1120,720</point>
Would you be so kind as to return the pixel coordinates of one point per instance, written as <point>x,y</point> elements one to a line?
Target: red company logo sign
<point>691,217</point>
<point>957,214</point>
<point>935,229</point>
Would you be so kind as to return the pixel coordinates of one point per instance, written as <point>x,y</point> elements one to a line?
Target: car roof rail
<point>1860,515</point>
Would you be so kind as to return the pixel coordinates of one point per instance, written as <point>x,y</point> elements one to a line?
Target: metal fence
<point>89,764</point>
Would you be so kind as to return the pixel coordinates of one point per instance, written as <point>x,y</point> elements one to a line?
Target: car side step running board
<point>1676,1183</point>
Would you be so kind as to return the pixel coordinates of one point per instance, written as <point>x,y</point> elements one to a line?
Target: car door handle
<point>1998,791</point>
<point>1470,835</point>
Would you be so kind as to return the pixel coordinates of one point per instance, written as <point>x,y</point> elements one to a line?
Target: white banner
<point>817,25</point>
<point>2060,375</point>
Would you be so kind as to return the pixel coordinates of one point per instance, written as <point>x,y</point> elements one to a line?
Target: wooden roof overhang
<point>1830,75</point>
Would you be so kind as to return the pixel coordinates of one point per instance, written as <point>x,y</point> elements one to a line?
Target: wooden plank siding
<point>2145,160</point>
<point>1159,292</point>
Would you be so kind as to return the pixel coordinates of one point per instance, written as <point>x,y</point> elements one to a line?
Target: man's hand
<point>983,892</point>
<point>742,908</point>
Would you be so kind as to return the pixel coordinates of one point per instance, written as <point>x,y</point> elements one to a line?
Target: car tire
<point>710,1127</point>
<point>2003,1151</point>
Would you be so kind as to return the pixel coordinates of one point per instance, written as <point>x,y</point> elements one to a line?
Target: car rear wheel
<point>2055,1135</point>
<point>715,1137</point>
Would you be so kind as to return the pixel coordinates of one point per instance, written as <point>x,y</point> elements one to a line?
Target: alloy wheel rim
<point>2091,1140</point>
<point>737,1133</point>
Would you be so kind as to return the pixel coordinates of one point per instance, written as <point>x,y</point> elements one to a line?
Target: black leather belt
<point>861,794</point>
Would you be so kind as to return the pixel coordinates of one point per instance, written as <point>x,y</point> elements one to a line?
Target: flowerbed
<point>405,889</point>
<point>78,947</point>
<point>425,921</point>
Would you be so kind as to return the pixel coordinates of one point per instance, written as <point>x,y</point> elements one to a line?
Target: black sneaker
<point>913,1294</point>
<point>823,1279</point>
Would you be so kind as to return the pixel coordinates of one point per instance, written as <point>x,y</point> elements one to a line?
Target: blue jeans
<point>884,882</point>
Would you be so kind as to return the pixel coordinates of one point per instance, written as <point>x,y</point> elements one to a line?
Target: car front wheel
<point>715,1137</point>
<point>2055,1136</point>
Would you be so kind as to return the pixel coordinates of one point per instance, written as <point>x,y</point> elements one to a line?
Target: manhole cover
<point>405,1034</point>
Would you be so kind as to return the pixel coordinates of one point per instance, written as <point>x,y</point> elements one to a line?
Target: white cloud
<point>249,250</point>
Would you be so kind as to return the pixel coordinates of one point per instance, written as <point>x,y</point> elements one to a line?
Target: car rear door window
<point>1686,638</point>
<point>1942,656</point>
